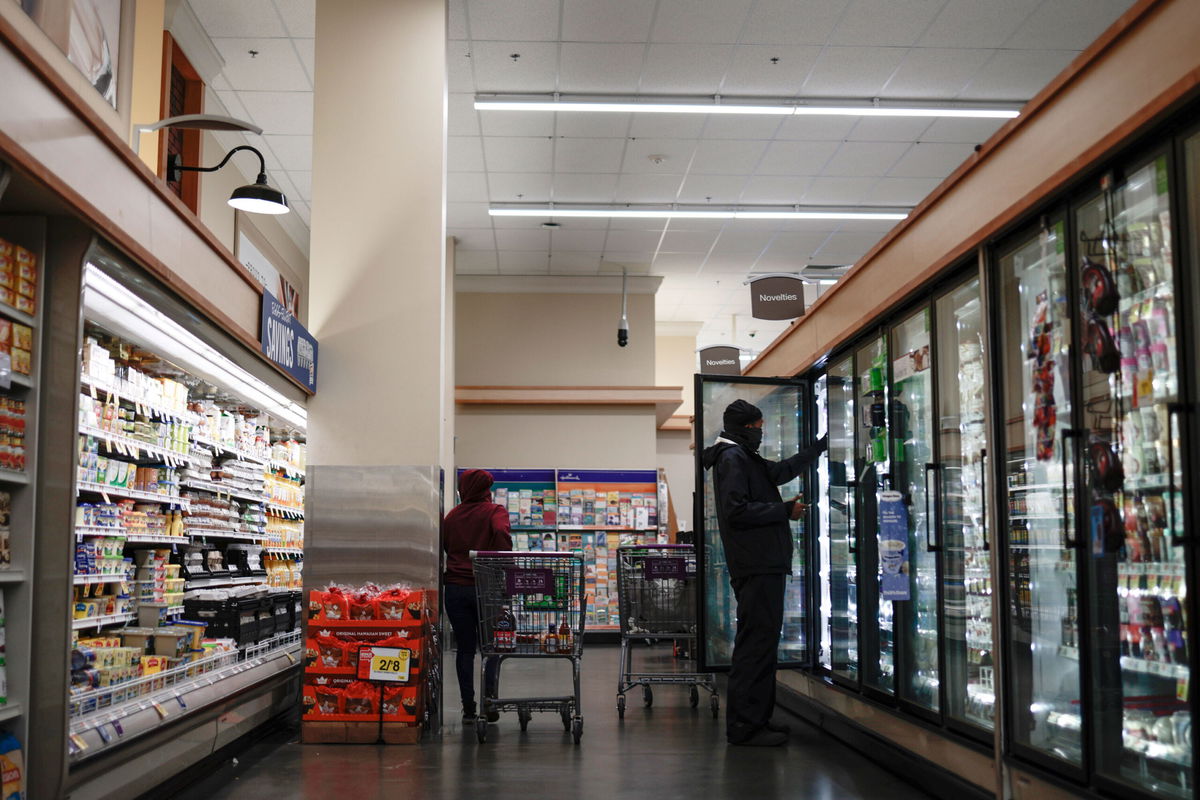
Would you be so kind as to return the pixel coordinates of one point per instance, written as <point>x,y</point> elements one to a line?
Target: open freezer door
<point>785,407</point>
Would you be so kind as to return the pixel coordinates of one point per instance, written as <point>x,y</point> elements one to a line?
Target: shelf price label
<point>385,664</point>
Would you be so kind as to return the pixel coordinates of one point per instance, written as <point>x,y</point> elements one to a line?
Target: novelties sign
<point>287,343</point>
<point>721,360</point>
<point>776,297</point>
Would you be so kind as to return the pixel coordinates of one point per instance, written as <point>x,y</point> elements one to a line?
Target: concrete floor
<point>667,751</point>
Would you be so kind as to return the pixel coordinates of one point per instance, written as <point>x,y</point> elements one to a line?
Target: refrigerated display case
<point>969,678</point>
<point>783,404</point>
<point>837,552</point>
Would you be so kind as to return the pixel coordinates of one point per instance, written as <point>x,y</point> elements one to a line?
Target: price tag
<point>387,664</point>
<point>291,658</point>
<point>116,723</point>
<point>93,388</point>
<point>105,736</point>
<point>79,742</point>
<point>1181,689</point>
<point>160,708</point>
<point>179,699</point>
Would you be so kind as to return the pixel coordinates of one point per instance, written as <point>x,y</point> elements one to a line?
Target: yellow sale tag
<point>384,664</point>
<point>162,711</point>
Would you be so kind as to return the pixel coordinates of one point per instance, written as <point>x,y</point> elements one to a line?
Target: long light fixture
<point>111,304</point>
<point>843,107</point>
<point>685,212</point>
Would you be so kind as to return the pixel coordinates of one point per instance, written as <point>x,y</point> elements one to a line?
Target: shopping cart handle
<point>517,553</point>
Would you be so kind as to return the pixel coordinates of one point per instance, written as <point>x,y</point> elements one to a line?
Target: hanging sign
<point>776,297</point>
<point>288,343</point>
<point>893,547</point>
<point>721,359</point>
<point>528,581</point>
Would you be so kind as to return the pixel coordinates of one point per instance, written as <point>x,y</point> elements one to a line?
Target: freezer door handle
<point>1069,542</point>
<point>929,514</point>
<point>851,517</point>
<point>983,504</point>
<point>1174,410</point>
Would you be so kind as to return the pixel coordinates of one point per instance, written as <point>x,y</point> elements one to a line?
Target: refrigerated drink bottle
<point>505,631</point>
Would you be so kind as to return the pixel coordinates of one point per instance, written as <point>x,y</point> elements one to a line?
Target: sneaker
<point>778,727</point>
<point>469,718</point>
<point>762,738</point>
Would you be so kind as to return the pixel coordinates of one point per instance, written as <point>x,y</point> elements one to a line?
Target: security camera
<point>623,332</point>
<point>623,325</point>
<point>753,334</point>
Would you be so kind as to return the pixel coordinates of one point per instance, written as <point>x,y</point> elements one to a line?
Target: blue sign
<point>893,547</point>
<point>286,342</point>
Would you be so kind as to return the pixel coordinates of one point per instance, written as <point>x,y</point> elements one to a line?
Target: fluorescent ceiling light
<point>108,302</point>
<point>744,212</point>
<point>761,106</point>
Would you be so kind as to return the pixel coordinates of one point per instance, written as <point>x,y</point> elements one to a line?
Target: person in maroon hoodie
<point>476,523</point>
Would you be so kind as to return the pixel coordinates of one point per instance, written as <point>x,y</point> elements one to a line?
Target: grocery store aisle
<point>669,750</point>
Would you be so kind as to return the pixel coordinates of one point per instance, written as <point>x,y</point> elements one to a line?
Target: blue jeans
<point>464,619</point>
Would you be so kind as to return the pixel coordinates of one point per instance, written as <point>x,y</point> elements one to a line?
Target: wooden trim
<point>193,103</point>
<point>577,388</point>
<point>20,158</point>
<point>1033,110</point>
<point>677,422</point>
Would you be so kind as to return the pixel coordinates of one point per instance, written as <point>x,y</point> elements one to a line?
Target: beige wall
<point>675,364</point>
<point>573,437</point>
<point>675,455</point>
<point>553,340</point>
<point>146,83</point>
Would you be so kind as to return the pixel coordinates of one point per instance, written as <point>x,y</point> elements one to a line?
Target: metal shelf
<point>101,622</point>
<point>130,494</point>
<point>17,316</point>
<point>223,451</point>
<point>10,711</point>
<point>121,445</point>
<point>86,580</point>
<point>12,575</point>
<point>87,381</point>
<point>283,466</point>
<point>14,476</point>
<point>288,512</point>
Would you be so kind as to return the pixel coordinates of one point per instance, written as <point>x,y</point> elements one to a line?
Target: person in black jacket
<point>755,525</point>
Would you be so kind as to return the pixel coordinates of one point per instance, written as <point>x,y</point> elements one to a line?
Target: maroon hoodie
<point>475,524</point>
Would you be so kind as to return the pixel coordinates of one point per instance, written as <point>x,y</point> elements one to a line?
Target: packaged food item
<point>25,304</point>
<point>6,336</point>
<point>335,604</point>
<point>21,335</point>
<point>331,651</point>
<point>8,272</point>
<point>360,698</point>
<point>26,288</point>
<point>22,361</point>
<point>329,700</point>
<point>12,769</point>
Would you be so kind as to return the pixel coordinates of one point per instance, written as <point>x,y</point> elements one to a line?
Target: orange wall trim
<point>1142,68</point>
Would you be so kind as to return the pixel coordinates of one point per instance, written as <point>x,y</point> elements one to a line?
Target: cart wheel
<point>647,696</point>
<point>523,716</point>
<point>621,706</point>
<point>566,718</point>
<point>694,697</point>
<point>715,702</point>
<point>481,729</point>
<point>577,730</point>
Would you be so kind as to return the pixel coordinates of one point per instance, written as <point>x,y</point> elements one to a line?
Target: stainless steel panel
<point>378,524</point>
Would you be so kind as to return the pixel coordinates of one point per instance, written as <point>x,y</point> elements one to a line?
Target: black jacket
<point>753,519</point>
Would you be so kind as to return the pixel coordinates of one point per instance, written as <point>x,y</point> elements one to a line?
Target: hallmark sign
<point>776,297</point>
<point>721,359</point>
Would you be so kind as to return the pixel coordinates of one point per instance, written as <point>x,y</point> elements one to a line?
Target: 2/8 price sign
<point>387,664</point>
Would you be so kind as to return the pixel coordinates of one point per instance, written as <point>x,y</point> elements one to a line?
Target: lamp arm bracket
<point>175,166</point>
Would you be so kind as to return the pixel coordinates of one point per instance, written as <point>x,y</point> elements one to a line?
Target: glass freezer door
<point>1132,468</point>
<point>1043,683</point>
<point>837,557</point>
<point>785,416</point>
<point>913,476</point>
<point>966,546</point>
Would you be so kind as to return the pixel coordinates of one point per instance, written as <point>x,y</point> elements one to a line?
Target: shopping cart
<point>656,585</point>
<point>531,605</point>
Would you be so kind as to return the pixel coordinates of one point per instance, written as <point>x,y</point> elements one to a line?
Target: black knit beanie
<point>739,414</point>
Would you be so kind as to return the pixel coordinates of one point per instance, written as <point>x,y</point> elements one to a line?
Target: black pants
<point>464,619</point>
<point>755,654</point>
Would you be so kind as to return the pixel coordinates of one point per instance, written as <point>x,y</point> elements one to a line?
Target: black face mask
<point>750,438</point>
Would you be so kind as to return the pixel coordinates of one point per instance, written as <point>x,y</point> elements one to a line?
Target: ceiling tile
<point>666,126</point>
<point>738,242</point>
<point>530,223</point>
<point>516,187</point>
<point>523,240</point>
<point>889,129</point>
<point>852,71</point>
<point>754,73</point>
<point>575,240</point>
<point>302,210</point>
<point>730,264</point>
<point>685,68</point>
<point>636,241</point>
<point>516,123</point>
<point>606,20</point>
<point>518,154</point>
<point>687,241</point>
<point>1067,24</point>
<point>302,180</point>
<point>275,67</point>
<point>584,188</point>
<point>480,262</point>
<point>306,50</point>
<point>782,22</point>
<point>280,112</point>
<point>719,126</point>
<point>816,129</point>
<point>719,189</point>
<point>799,246</point>
<point>457,24</point>
<point>838,191</point>
<point>931,160</point>
<point>935,73</point>
<point>463,119</point>
<point>902,191</point>
<point>513,20</point>
<point>460,68</point>
<point>293,152</point>
<point>1017,74</point>
<point>600,68</point>
<point>639,188</point>
<point>239,18</point>
<point>467,215</point>
<point>626,257</point>
<point>595,126</point>
<point>885,23</point>
<point>675,263</point>
<point>879,226</point>
<point>233,105</point>
<point>467,187</point>
<point>474,239</point>
<point>860,159</point>
<point>669,156</point>
<point>496,71</point>
<point>974,131</point>
<point>700,21</point>
<point>464,154</point>
<point>299,17</point>
<point>977,23</point>
<point>588,155</point>
<point>726,157</point>
<point>519,261</point>
<point>530,268</point>
<point>574,263</point>
<point>264,146</point>
<point>769,189</point>
<point>796,158</point>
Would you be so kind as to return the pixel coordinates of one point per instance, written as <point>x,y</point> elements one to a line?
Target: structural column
<point>380,292</point>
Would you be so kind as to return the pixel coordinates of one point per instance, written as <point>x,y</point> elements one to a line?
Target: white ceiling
<point>891,49</point>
